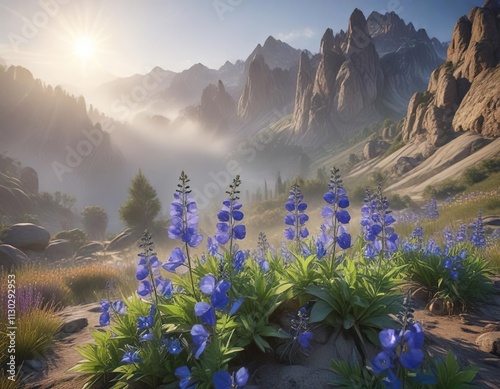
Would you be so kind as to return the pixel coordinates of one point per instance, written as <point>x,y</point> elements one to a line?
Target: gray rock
<point>491,221</point>
<point>124,240</point>
<point>489,342</point>
<point>404,165</point>
<point>26,236</point>
<point>75,325</point>
<point>59,249</point>
<point>89,249</point>
<point>10,257</point>
<point>491,327</point>
<point>35,364</point>
<point>375,148</point>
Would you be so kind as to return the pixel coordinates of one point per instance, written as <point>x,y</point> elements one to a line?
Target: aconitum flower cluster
<point>229,227</point>
<point>478,237</point>
<point>335,215</point>
<point>431,210</point>
<point>454,264</point>
<point>184,215</point>
<point>148,271</point>
<point>376,223</point>
<point>219,299</point>
<point>118,306</point>
<point>415,240</point>
<point>296,218</point>
<point>184,224</point>
<point>399,347</point>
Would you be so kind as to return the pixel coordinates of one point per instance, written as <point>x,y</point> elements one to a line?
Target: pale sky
<point>82,42</point>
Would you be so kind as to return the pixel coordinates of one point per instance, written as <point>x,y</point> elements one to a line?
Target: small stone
<point>491,327</point>
<point>489,342</point>
<point>75,325</point>
<point>35,364</point>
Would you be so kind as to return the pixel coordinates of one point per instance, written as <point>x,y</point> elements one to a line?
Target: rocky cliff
<point>265,90</point>
<point>217,109</point>
<point>464,93</point>
<point>45,125</point>
<point>347,83</point>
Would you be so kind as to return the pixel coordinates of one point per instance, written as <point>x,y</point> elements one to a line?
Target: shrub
<point>444,190</point>
<point>491,165</point>
<point>77,237</point>
<point>473,175</point>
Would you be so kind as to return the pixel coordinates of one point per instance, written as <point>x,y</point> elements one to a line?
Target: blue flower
<point>144,288</point>
<point>431,209</point>
<point>239,260</point>
<point>478,237</point>
<point>119,307</point>
<point>184,375</point>
<point>184,215</point>
<point>104,319</point>
<point>173,346</point>
<point>236,306</point>
<point>335,215</point>
<point>297,218</point>
<point>320,249</point>
<point>206,312</point>
<point>164,287</point>
<point>223,380</point>
<point>381,362</point>
<point>131,357</point>
<point>461,234</point>
<point>176,259</point>
<point>304,339</point>
<point>200,337</point>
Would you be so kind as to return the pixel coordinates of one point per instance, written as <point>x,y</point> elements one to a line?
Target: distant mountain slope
<point>44,125</point>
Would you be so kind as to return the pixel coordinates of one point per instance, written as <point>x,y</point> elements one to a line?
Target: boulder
<point>74,325</point>
<point>375,148</point>
<point>89,249</point>
<point>59,249</point>
<point>404,165</point>
<point>26,236</point>
<point>10,257</point>
<point>489,342</point>
<point>124,240</point>
<point>389,132</point>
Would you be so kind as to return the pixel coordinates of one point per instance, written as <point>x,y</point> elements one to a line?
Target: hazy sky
<point>80,42</point>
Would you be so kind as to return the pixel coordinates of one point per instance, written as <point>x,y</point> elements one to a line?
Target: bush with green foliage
<point>95,222</point>
<point>77,237</point>
<point>142,206</point>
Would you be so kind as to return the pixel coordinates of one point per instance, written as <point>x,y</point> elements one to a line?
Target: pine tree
<point>143,206</point>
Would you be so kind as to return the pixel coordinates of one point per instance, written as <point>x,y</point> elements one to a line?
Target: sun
<point>83,47</point>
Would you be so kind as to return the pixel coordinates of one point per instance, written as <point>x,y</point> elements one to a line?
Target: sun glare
<point>84,47</point>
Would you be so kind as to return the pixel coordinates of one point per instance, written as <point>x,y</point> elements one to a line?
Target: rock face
<point>10,257</point>
<point>265,90</point>
<point>476,41</point>
<point>26,236</point>
<point>463,94</point>
<point>218,108</point>
<point>347,83</point>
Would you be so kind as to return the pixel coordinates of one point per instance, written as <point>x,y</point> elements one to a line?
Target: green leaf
<point>348,321</point>
<point>320,311</point>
